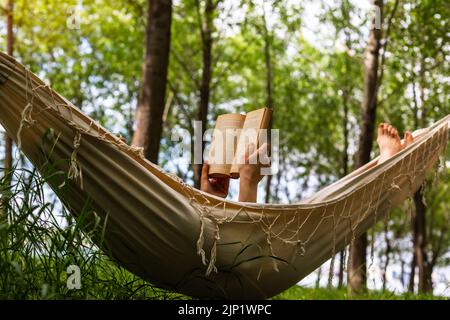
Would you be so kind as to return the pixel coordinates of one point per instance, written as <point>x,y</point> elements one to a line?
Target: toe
<point>395,133</point>
<point>389,129</point>
<point>409,137</point>
<point>380,129</point>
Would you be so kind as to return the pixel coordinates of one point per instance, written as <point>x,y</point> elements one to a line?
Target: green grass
<point>37,246</point>
<point>302,293</point>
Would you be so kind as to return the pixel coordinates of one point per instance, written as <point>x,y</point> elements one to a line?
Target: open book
<point>232,133</point>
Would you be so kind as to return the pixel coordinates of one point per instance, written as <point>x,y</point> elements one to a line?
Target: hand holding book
<point>216,186</point>
<point>250,175</point>
<point>250,171</point>
<point>237,151</point>
<point>232,134</point>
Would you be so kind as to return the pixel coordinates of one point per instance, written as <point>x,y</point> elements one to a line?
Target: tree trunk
<point>319,275</point>
<point>346,92</point>
<point>357,273</point>
<point>345,163</point>
<point>154,79</point>
<point>269,91</point>
<point>341,268</point>
<point>206,29</point>
<point>412,274</point>
<point>419,220</point>
<point>402,271</point>
<point>387,258</point>
<point>419,241</point>
<point>357,268</point>
<point>10,50</point>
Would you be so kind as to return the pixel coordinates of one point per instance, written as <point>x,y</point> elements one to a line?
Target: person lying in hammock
<point>250,174</point>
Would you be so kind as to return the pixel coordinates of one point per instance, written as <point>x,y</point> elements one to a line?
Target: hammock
<point>182,239</point>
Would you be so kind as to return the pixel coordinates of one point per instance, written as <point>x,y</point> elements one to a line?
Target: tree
<point>346,72</point>
<point>263,59</point>
<point>204,56</point>
<point>205,15</point>
<point>68,56</point>
<point>255,62</point>
<point>267,40</point>
<point>357,262</point>
<point>149,116</point>
<point>418,53</point>
<point>9,9</point>
<point>427,241</point>
<point>269,85</point>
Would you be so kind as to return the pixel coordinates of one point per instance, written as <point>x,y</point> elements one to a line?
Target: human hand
<point>216,186</point>
<point>250,171</point>
<point>252,162</point>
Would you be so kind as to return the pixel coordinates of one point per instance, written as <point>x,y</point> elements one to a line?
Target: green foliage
<point>37,245</point>
<point>91,56</point>
<point>98,67</point>
<point>302,293</point>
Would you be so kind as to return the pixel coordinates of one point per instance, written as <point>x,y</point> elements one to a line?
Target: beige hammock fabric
<point>187,241</point>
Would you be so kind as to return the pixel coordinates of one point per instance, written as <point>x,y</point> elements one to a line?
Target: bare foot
<point>389,141</point>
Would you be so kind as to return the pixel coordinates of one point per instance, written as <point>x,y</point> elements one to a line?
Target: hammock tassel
<point>25,122</point>
<point>74,168</point>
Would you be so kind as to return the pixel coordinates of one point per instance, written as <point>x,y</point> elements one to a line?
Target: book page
<point>224,144</point>
<point>254,122</point>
